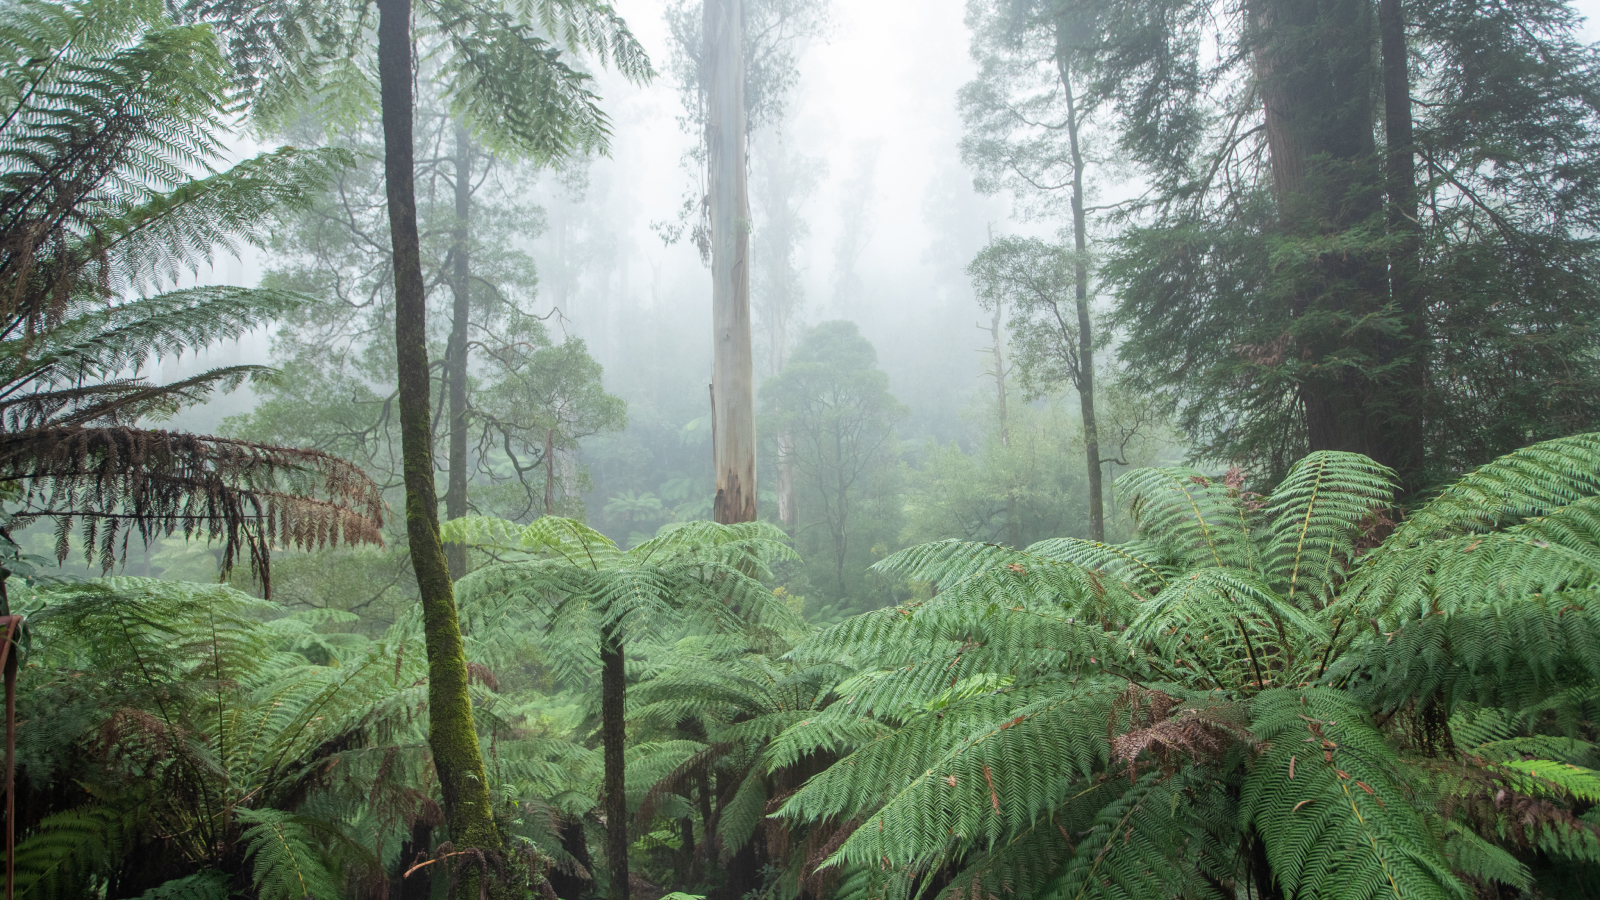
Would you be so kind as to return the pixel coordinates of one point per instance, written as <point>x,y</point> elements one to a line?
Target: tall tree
<point>1026,131</point>
<point>733,400</point>
<point>452,735</point>
<point>1043,285</point>
<point>1412,279</point>
<point>746,48</point>
<point>497,61</point>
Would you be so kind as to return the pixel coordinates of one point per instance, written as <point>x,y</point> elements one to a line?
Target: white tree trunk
<point>733,377</point>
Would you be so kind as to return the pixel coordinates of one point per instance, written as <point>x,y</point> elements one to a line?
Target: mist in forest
<point>800,449</point>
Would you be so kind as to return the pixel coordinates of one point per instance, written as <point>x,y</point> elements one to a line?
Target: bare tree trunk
<point>733,375</point>
<point>1080,242</point>
<point>787,512</point>
<point>1405,283</point>
<point>452,736</point>
<point>613,744</point>
<point>455,494</point>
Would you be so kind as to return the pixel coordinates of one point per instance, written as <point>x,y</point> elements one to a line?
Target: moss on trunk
<point>452,736</point>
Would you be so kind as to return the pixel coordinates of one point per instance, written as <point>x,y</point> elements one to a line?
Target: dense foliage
<point>1363,266</point>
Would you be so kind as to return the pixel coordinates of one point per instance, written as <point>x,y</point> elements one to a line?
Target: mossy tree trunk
<point>613,744</point>
<point>452,736</point>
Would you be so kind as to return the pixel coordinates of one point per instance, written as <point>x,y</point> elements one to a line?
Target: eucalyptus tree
<point>1027,120</point>
<point>497,60</point>
<point>1369,223</point>
<point>735,65</point>
<point>107,108</point>
<point>590,601</point>
<point>1280,695</point>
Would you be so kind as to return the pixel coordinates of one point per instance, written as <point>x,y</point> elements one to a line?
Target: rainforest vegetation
<point>1206,506</point>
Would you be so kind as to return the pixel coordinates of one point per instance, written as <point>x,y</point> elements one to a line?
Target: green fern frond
<point>1482,861</point>
<point>999,779</point>
<point>1137,845</point>
<point>1229,625</point>
<point>1206,522</point>
<point>742,815</point>
<point>1329,803</point>
<point>1524,483</point>
<point>58,860</point>
<point>1513,654</point>
<point>285,863</point>
<point>1316,514</point>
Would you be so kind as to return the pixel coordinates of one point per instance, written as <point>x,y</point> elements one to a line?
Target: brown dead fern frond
<point>251,497</point>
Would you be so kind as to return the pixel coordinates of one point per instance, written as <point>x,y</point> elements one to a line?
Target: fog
<point>890,226</point>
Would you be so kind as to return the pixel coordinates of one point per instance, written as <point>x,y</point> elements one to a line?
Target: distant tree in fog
<point>834,403</point>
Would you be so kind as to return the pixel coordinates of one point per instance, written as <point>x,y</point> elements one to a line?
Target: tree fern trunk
<point>455,495</point>
<point>452,736</point>
<point>613,743</point>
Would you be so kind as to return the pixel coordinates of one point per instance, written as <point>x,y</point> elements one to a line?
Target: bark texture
<point>733,373</point>
<point>452,737</point>
<point>455,494</point>
<point>1319,80</point>
<point>1405,266</point>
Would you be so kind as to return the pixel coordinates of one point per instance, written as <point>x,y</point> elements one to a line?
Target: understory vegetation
<point>1259,565</point>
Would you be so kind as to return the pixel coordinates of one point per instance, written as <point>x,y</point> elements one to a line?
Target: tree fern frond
<point>1512,654</point>
<point>61,856</point>
<point>285,864</point>
<point>1342,825</point>
<point>1482,861</point>
<point>208,885</point>
<point>1528,482</point>
<point>741,816</point>
<point>157,241</point>
<point>991,784</point>
<point>1207,522</point>
<point>993,573</point>
<point>1136,846</point>
<point>1316,514</point>
<point>1228,624</point>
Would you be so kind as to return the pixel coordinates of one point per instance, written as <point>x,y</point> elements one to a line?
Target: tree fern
<point>59,859</point>
<point>207,885</point>
<point>285,863</point>
<point>1239,699</point>
<point>1340,825</point>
